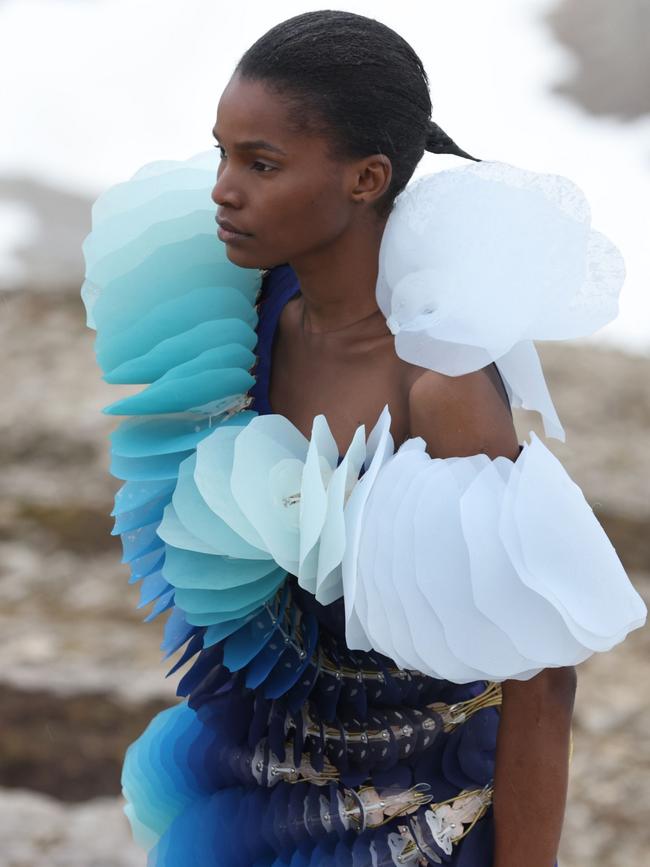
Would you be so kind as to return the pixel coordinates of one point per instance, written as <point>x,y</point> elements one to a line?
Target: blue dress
<point>217,769</point>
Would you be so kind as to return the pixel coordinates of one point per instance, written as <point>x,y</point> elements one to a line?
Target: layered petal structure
<point>479,261</point>
<point>174,314</point>
<point>258,490</point>
<point>257,501</point>
<point>467,568</point>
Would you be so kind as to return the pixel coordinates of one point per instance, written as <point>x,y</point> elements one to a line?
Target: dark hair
<point>356,81</point>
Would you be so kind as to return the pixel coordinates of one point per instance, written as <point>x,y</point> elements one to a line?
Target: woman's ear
<point>371,178</point>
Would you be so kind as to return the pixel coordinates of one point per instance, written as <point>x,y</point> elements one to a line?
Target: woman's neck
<point>337,282</point>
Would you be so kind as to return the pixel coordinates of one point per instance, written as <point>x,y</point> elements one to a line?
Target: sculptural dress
<point>345,620</point>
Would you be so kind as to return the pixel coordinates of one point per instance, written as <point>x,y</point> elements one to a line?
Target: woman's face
<point>281,190</point>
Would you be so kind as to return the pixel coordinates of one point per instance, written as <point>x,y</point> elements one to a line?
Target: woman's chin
<point>243,258</point>
<point>251,259</point>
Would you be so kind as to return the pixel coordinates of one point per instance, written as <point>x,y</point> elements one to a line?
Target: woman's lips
<point>228,233</point>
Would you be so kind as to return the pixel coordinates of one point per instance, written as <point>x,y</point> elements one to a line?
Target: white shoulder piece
<point>477,262</point>
<point>472,568</point>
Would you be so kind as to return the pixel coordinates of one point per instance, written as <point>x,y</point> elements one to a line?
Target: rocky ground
<point>82,675</point>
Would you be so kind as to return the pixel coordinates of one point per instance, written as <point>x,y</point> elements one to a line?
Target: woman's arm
<point>466,415</point>
<point>532,768</point>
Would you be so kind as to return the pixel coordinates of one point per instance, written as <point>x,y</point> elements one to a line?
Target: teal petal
<point>167,319</point>
<point>192,570</point>
<point>181,394</point>
<point>182,347</point>
<point>192,511</point>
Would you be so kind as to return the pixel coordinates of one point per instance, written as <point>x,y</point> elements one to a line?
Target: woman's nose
<point>224,192</point>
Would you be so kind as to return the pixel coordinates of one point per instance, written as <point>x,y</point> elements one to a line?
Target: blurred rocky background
<point>611,46</point>
<point>81,674</point>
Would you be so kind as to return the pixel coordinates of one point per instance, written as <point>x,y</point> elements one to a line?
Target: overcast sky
<point>99,87</point>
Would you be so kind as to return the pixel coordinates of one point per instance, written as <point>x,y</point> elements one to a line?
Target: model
<point>378,593</point>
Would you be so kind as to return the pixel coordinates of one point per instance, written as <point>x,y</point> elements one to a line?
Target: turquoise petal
<point>177,535</point>
<point>144,437</point>
<point>154,468</point>
<point>140,195</point>
<point>215,358</point>
<point>119,229</point>
<point>146,564</point>
<point>161,279</point>
<point>214,460</point>
<point>165,320</point>
<point>192,511</point>
<point>134,494</point>
<point>147,514</point>
<point>182,347</point>
<point>182,394</point>
<point>192,570</point>
<point>209,618</point>
<point>140,541</point>
<point>230,599</point>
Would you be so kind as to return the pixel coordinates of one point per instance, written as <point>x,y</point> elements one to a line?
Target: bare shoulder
<point>462,415</point>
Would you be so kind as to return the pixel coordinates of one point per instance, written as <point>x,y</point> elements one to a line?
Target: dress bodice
<point>279,286</point>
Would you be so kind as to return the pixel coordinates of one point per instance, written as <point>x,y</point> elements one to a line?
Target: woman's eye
<point>263,168</point>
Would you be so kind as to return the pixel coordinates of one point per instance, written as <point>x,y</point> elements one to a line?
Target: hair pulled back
<point>356,81</point>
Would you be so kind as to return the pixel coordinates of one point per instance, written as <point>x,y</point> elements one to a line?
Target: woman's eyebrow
<point>255,144</point>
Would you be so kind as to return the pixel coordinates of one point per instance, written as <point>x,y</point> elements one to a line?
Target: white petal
<point>477,259</point>
<point>565,554</point>
<point>379,448</point>
<point>332,540</point>
<point>534,625</point>
<point>214,459</point>
<point>313,499</point>
<point>266,441</point>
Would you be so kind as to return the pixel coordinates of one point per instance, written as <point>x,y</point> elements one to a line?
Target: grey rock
<point>38,831</point>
